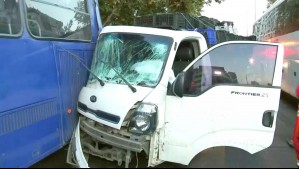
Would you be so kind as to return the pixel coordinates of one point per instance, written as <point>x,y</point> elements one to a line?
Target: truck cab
<point>227,95</point>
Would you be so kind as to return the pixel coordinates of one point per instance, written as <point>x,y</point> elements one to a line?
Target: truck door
<point>228,96</point>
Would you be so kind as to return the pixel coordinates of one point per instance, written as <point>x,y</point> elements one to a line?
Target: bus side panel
<point>290,77</point>
<point>49,80</point>
<point>28,73</point>
<point>35,134</point>
<point>72,77</point>
<point>29,114</point>
<point>38,84</point>
<point>294,76</point>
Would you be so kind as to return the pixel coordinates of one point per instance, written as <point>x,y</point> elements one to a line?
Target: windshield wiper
<point>79,59</point>
<point>122,78</point>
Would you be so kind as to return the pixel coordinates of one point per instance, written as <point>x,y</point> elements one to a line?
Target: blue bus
<point>39,79</point>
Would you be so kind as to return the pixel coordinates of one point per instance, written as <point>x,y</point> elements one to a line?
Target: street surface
<point>279,155</point>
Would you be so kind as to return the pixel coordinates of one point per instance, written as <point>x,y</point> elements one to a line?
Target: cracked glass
<point>139,58</point>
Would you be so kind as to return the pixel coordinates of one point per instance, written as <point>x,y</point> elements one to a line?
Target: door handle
<point>268,118</point>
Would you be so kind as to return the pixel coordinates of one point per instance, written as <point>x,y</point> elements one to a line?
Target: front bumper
<point>75,154</point>
<point>111,139</point>
<point>123,146</point>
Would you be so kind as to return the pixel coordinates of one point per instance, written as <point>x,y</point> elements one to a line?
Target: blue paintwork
<point>38,83</point>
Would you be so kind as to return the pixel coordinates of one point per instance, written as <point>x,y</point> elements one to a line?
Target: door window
<point>232,64</point>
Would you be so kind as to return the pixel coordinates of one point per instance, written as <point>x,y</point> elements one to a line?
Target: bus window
<point>10,23</point>
<point>70,21</point>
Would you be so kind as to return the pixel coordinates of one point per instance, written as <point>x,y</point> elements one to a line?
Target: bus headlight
<point>143,120</point>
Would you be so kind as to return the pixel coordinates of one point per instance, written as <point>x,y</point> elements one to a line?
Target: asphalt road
<point>279,155</point>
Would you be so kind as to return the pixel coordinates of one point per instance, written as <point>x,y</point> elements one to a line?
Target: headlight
<point>143,120</point>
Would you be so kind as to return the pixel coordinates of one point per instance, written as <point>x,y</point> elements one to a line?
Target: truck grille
<point>100,114</point>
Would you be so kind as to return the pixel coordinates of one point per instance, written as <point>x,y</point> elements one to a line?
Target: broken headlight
<point>144,119</point>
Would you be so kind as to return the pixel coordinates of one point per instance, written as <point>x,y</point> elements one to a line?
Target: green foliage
<point>121,12</point>
<point>270,2</point>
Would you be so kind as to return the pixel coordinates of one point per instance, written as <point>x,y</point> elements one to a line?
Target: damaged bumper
<point>75,154</point>
<point>81,145</point>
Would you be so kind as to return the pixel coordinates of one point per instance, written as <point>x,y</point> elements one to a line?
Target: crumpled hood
<point>112,101</point>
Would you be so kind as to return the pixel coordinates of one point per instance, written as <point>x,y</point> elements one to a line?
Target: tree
<point>116,12</point>
<point>270,2</point>
<point>81,17</point>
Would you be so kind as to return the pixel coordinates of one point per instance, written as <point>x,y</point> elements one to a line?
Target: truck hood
<point>113,102</point>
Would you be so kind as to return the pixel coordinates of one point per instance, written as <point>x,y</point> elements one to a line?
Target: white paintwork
<point>176,35</point>
<point>111,98</point>
<point>79,153</point>
<point>219,118</point>
<point>289,80</point>
<point>278,67</point>
<point>157,97</point>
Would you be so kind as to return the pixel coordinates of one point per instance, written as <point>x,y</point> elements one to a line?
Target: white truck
<point>227,95</point>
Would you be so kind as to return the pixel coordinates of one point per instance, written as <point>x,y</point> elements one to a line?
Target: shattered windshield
<point>137,58</point>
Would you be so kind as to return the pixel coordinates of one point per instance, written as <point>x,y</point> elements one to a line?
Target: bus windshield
<point>138,58</point>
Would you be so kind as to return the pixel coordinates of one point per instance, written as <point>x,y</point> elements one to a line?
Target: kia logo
<point>93,99</point>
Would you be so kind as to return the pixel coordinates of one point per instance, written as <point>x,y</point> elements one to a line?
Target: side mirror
<point>178,85</point>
